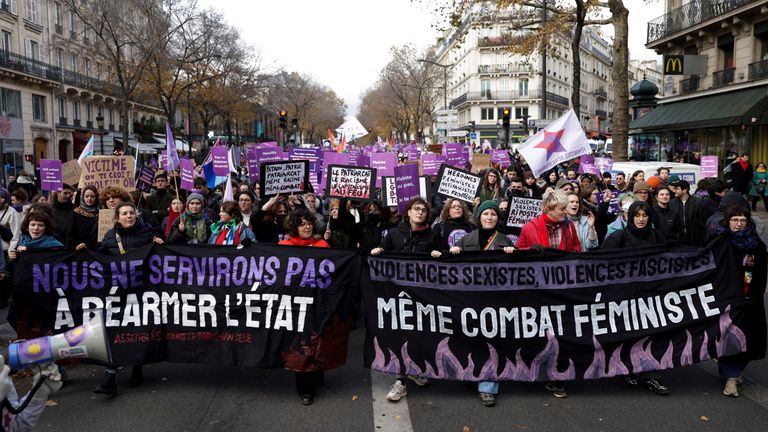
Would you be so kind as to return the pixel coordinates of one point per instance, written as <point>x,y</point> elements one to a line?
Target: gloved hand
<point>5,381</point>
<point>50,373</point>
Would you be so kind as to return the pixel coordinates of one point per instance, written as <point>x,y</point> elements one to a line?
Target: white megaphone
<point>86,341</point>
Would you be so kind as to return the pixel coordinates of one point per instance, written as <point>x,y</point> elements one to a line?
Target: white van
<point>689,172</point>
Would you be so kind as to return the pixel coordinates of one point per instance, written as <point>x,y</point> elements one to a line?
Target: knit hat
<point>196,196</point>
<point>562,182</point>
<point>489,204</point>
<point>672,179</point>
<point>5,195</point>
<point>640,186</point>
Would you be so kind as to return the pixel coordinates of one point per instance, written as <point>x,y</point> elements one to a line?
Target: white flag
<point>562,140</point>
<point>228,194</point>
<point>87,151</point>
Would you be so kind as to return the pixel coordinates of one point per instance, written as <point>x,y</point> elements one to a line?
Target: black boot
<point>108,387</point>
<point>137,377</point>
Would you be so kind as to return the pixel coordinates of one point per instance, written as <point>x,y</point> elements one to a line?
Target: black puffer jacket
<point>402,239</point>
<point>137,236</point>
<point>666,221</point>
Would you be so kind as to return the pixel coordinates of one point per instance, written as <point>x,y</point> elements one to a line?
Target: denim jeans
<point>491,387</point>
<point>731,366</point>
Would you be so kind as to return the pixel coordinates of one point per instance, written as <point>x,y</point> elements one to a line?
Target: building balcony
<point>62,121</point>
<point>28,65</point>
<point>758,70</point>
<point>689,85</point>
<point>560,100</point>
<point>494,95</point>
<point>89,124</point>
<point>498,41</point>
<point>602,114</point>
<point>76,122</point>
<point>689,15</point>
<point>723,77</point>
<point>601,93</point>
<point>504,68</point>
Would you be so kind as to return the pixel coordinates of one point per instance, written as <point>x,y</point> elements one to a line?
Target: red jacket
<point>533,232</point>
<point>298,241</point>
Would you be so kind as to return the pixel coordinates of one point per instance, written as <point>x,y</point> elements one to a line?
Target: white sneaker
<point>419,381</point>
<point>396,391</point>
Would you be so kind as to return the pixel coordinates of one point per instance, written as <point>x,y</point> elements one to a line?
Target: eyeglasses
<point>244,200</point>
<point>739,220</point>
<point>306,224</point>
<point>419,209</point>
<point>457,207</point>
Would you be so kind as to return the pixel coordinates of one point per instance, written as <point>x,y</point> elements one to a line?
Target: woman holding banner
<point>82,233</point>
<point>301,226</point>
<point>175,209</point>
<point>411,235</point>
<point>230,229</point>
<point>485,238</point>
<point>454,223</point>
<point>129,233</point>
<point>739,230</point>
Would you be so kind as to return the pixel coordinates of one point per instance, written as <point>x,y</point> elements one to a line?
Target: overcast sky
<point>344,44</point>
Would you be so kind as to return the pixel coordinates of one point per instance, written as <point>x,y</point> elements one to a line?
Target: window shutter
<point>28,44</point>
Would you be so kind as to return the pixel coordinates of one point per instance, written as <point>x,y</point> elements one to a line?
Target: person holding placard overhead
<point>411,235</point>
<point>485,238</point>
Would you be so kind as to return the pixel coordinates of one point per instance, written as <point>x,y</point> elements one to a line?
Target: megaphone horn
<point>86,341</point>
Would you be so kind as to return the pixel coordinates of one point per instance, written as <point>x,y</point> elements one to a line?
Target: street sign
<point>473,135</point>
<point>685,65</point>
<point>531,123</point>
<point>457,133</point>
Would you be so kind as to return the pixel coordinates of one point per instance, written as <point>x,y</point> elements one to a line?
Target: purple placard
<point>501,157</point>
<point>220,156</point>
<point>385,164</point>
<point>269,154</point>
<point>163,159</point>
<point>312,155</point>
<point>253,165</point>
<point>587,165</point>
<point>334,158</point>
<point>146,177</point>
<point>455,155</point>
<point>187,174</point>
<point>411,152</point>
<point>267,144</point>
<point>50,175</point>
<point>314,180</point>
<point>613,207</point>
<point>430,164</point>
<point>361,161</point>
<point>604,164</point>
<point>406,185</point>
<point>709,166</point>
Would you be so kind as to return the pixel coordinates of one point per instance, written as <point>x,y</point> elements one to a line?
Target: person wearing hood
<point>175,209</point>
<point>24,181</point>
<point>625,200</point>
<point>639,232</point>
<point>339,231</point>
<point>715,192</point>
<point>490,188</point>
<point>732,198</point>
<point>63,211</point>
<point>371,230</point>
<point>454,223</point>
<point>551,178</point>
<point>82,233</point>
<point>485,238</point>
<point>194,224</point>
<point>412,235</point>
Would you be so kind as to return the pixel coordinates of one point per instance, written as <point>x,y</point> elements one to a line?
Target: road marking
<point>754,391</point>
<point>388,416</point>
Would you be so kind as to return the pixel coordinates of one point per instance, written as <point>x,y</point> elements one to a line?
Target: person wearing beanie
<point>485,238</point>
<point>194,224</point>
<point>642,191</point>
<point>564,185</point>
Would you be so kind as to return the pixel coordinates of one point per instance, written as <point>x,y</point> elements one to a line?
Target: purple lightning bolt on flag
<point>172,161</point>
<point>562,140</point>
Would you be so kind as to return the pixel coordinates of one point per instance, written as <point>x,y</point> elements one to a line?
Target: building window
<point>62,108</point>
<point>6,41</point>
<point>88,112</point>
<point>111,120</point>
<point>38,108</point>
<point>73,62</point>
<point>10,103</point>
<point>522,87</point>
<point>33,7</point>
<point>485,88</point>
<point>521,112</point>
<point>87,67</point>
<point>58,14</point>
<point>60,58</point>
<point>72,22</point>
<point>725,50</point>
<point>76,110</point>
<point>98,70</point>
<point>33,50</point>
<point>9,5</point>
<point>486,114</point>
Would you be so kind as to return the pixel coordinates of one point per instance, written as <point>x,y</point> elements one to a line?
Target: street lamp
<point>100,124</point>
<point>445,78</point>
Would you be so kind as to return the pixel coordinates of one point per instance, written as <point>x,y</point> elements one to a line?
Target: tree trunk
<point>126,121</point>
<point>576,52</point>
<point>620,78</point>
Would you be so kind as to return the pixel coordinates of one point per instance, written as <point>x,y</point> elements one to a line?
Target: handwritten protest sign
<point>187,174</point>
<point>70,172</point>
<point>455,183</point>
<point>344,181</point>
<point>480,161</point>
<point>389,192</point>
<point>50,175</point>
<point>146,177</point>
<point>282,178</point>
<point>220,158</point>
<point>522,210</point>
<point>106,222</point>
<point>103,171</point>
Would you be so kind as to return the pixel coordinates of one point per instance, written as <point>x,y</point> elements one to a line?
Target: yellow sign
<point>673,64</point>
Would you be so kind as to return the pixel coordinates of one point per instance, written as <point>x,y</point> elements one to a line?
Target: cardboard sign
<point>455,183</point>
<point>50,175</point>
<point>187,174</point>
<point>389,191</point>
<point>430,164</point>
<point>220,158</point>
<point>106,223</point>
<point>344,181</point>
<point>103,171</point>
<point>522,210</point>
<point>480,161</point>
<point>146,177</point>
<point>708,166</point>
<point>70,172</point>
<point>284,178</point>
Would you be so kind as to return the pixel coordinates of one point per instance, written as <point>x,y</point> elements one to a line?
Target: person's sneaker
<point>487,399</point>
<point>108,387</point>
<point>419,381</point>
<point>632,381</point>
<point>306,399</point>
<point>557,390</point>
<point>396,391</point>
<point>657,387</point>
<point>731,388</point>
<point>739,379</point>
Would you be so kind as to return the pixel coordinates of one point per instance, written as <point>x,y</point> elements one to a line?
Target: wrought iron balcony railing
<point>723,77</point>
<point>689,85</point>
<point>758,70</point>
<point>690,14</point>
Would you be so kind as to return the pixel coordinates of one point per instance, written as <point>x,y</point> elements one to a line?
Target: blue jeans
<point>731,366</point>
<point>491,387</point>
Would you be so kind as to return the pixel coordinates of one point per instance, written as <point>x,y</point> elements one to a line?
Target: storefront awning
<point>725,109</point>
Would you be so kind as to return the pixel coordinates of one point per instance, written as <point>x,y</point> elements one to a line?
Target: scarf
<point>487,237</point>
<point>743,240</point>
<point>43,242</point>
<point>743,164</point>
<point>172,217</point>
<point>86,210</point>
<point>553,227</point>
<point>227,233</point>
<point>195,226</point>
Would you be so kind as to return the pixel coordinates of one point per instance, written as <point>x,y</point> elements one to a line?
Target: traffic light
<point>472,125</point>
<point>294,123</point>
<point>524,123</point>
<point>283,120</point>
<point>506,115</point>
<point>28,158</point>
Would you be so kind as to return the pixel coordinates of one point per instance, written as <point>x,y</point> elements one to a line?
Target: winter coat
<point>9,218</point>
<point>451,231</point>
<point>83,229</point>
<point>759,184</point>
<point>471,242</point>
<point>665,221</point>
<point>310,242</point>
<point>740,178</point>
<point>691,228</point>
<point>158,203</point>
<point>402,239</point>
<point>137,236</point>
<point>62,219</point>
<point>535,229</point>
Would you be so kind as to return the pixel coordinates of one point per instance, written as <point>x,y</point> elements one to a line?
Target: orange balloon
<point>653,182</point>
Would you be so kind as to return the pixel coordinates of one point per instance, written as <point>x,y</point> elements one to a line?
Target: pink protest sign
<point>708,166</point>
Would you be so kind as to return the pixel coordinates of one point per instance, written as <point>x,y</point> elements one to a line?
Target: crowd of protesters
<point>579,213</point>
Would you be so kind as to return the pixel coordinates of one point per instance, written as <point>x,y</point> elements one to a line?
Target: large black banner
<point>265,306</point>
<point>534,316</point>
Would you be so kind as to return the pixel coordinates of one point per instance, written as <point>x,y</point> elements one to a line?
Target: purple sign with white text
<point>406,185</point>
<point>220,156</point>
<point>708,166</point>
<point>430,164</point>
<point>385,164</point>
<point>50,175</point>
<point>253,165</point>
<point>187,174</point>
